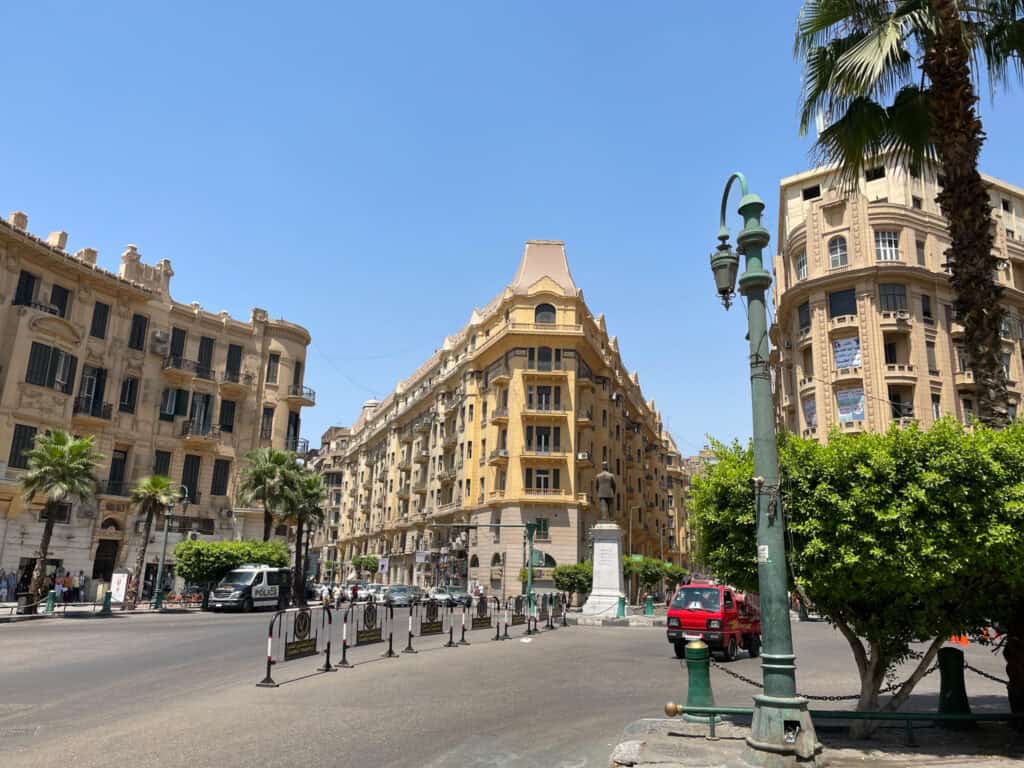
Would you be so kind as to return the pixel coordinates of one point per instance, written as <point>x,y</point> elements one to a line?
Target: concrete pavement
<point>177,690</point>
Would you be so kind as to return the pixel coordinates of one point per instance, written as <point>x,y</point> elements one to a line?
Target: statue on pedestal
<point>605,491</point>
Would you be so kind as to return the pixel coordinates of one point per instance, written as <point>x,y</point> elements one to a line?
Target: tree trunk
<point>298,579</point>
<point>957,134</point>
<point>135,585</point>
<point>37,589</point>
<point>268,523</point>
<point>1013,653</point>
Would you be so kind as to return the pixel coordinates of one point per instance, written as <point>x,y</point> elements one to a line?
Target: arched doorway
<point>106,558</point>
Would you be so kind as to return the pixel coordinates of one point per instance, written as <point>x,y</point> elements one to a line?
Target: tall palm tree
<point>896,77</point>
<point>151,494</point>
<point>305,498</point>
<point>265,479</point>
<point>62,468</point>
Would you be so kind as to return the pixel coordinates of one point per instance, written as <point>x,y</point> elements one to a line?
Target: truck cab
<point>253,586</point>
<point>724,618</point>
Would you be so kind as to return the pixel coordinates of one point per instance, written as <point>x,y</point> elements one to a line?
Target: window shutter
<point>69,385</point>
<point>38,363</point>
<point>554,478</point>
<point>181,402</point>
<point>227,415</point>
<point>529,478</point>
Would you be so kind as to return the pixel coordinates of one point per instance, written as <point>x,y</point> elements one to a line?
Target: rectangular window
<point>129,394</point>
<point>921,260</point>
<point>968,405</point>
<point>62,514</point>
<point>178,336</point>
<point>890,352</point>
<point>234,363</point>
<point>1005,358</point>
<point>167,400</point>
<point>190,476</point>
<point>100,315</point>
<point>926,310</point>
<point>137,335</point>
<point>810,408</point>
<point>59,298</point>
<point>803,313</point>
<point>808,363</point>
<point>936,406</point>
<point>205,361</point>
<point>801,265</point>
<point>180,402</point>
<point>273,363</point>
<point>933,364</point>
<point>887,245</point>
<point>811,193</point>
<point>892,296</point>
<point>297,375</point>
<point>1006,205</point>
<point>842,303</point>
<point>227,415</point>
<point>221,472</point>
<point>873,174</point>
<point>51,367</point>
<point>916,203</point>
<point>267,423</point>
<point>25,293</point>
<point>543,532</point>
<point>22,441</point>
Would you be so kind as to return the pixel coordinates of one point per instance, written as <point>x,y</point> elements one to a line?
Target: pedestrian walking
<point>355,592</point>
<point>76,588</point>
<point>336,593</point>
<point>67,586</point>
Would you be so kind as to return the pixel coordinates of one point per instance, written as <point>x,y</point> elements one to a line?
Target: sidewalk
<point>675,743</point>
<point>9,615</point>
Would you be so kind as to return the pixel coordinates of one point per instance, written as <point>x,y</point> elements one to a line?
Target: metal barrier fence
<point>301,632</point>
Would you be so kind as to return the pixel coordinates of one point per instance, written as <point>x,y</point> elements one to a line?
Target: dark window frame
<point>100,320</point>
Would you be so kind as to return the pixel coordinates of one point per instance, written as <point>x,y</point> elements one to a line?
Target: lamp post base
<point>781,735</point>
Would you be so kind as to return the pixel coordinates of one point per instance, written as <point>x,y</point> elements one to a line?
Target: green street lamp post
<point>781,733</point>
<point>158,585</point>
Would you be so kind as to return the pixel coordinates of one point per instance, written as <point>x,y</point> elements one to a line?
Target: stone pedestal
<point>608,582</point>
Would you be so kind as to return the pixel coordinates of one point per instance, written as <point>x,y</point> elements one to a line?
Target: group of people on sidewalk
<point>8,585</point>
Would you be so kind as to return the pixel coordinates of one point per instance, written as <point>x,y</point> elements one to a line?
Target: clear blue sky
<point>395,156</point>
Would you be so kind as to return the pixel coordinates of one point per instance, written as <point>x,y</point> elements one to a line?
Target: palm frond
<point>879,63</point>
<point>60,467</point>
<point>996,35</point>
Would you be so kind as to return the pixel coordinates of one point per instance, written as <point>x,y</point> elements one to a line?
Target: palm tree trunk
<point>298,578</point>
<point>39,570</point>
<point>268,522</point>
<point>131,599</point>
<point>958,136</point>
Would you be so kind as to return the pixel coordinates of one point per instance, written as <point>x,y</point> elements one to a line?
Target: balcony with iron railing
<point>545,410</point>
<point>199,431</point>
<point>301,395</point>
<point>92,408</point>
<point>236,380</point>
<point>299,445</point>
<point>181,368</point>
<point>37,305</point>
<point>499,414</point>
<point>498,456</point>
<point>545,453</point>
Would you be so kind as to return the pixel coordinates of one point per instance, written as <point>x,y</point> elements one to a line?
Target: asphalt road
<point>179,690</point>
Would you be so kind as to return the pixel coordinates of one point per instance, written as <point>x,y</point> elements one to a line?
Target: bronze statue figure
<point>605,490</point>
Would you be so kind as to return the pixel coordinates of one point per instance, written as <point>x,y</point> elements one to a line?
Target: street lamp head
<point>724,265</point>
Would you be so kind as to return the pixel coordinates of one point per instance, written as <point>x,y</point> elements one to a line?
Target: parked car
<point>460,596</point>
<point>443,596</point>
<point>399,596</point>
<point>722,617</point>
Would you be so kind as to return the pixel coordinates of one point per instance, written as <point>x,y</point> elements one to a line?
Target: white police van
<point>253,586</point>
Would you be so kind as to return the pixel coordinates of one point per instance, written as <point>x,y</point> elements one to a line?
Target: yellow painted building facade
<point>507,423</point>
<point>165,387</point>
<point>864,334</point>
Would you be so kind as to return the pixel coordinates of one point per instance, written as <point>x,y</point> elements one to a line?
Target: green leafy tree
<point>61,468</point>
<point>267,478</point>
<point>674,575</point>
<point>576,579</point>
<point>651,571</point>
<point>896,538</point>
<point>896,77</point>
<point>365,563</point>
<point>304,497</point>
<point>205,562</point>
<point>151,494</point>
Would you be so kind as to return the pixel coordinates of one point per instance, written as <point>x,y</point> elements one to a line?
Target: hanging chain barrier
<point>851,697</point>
<point>986,675</point>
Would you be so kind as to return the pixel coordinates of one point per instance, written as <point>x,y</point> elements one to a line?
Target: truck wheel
<point>247,605</point>
<point>754,646</point>
<point>680,647</point>
<point>730,649</point>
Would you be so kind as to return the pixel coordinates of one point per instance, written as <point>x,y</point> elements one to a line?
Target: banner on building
<point>847,352</point>
<point>382,565</point>
<point>851,404</point>
<point>810,406</point>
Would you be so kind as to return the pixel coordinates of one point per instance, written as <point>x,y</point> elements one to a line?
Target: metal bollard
<point>649,606</point>
<point>698,672</point>
<point>408,646</point>
<point>105,610</point>
<point>953,690</point>
<point>451,629</point>
<point>268,681</point>
<point>327,655</point>
<point>507,617</point>
<point>51,601</point>
<point>621,613</point>
<point>390,653</point>
<point>463,640</point>
<point>497,619</point>
<point>343,664</point>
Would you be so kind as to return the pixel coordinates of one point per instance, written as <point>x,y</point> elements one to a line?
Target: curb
<point>37,616</point>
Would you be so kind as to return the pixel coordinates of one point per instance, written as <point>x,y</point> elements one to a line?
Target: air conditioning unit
<point>902,314</point>
<point>193,536</point>
<point>582,456</point>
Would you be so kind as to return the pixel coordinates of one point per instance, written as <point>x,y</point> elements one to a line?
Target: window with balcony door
<point>51,367</point>
<point>59,299</point>
<point>808,363</point>
<point>267,423</point>
<point>100,315</point>
<point>137,334</point>
<point>892,296</point>
<point>933,364</point>
<point>543,532</point>
<point>22,441</point>
<point>273,363</point>
<point>837,252</point>
<point>803,313</point>
<point>921,256</point>
<point>801,265</point>
<point>887,245</point>
<point>936,406</point>
<point>129,394</point>
<point>926,309</point>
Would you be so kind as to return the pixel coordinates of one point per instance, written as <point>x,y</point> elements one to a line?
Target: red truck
<point>725,619</point>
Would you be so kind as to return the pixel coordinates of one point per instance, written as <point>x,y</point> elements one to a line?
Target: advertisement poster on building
<point>382,565</point>
<point>847,352</point>
<point>422,556</point>
<point>118,586</point>
<point>851,404</point>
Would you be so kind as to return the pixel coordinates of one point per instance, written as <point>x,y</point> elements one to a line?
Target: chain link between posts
<point>850,697</point>
<point>986,675</point>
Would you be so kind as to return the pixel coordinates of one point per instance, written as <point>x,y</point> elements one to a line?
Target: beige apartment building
<point>864,334</point>
<point>507,423</point>
<point>165,387</point>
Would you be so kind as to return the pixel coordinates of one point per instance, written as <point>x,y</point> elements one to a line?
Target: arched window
<point>543,358</point>
<point>837,252</point>
<point>544,313</point>
<point>110,524</point>
<point>496,560</point>
<point>474,562</point>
